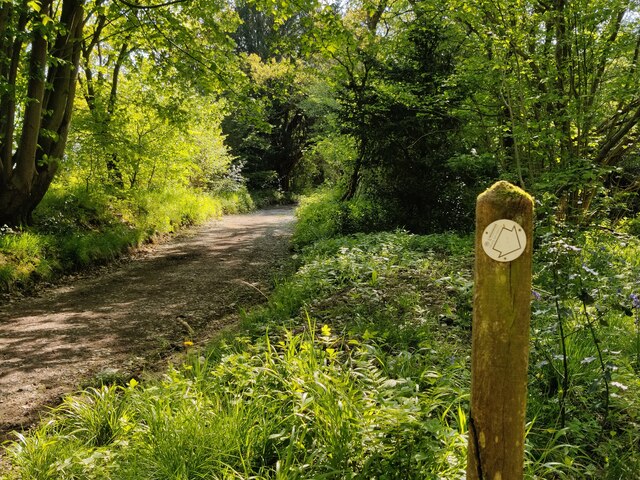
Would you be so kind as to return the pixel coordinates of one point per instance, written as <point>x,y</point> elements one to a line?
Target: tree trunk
<point>47,115</point>
<point>103,117</point>
<point>354,181</point>
<point>356,174</point>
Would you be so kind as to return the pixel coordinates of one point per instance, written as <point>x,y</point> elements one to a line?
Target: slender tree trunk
<point>103,118</point>
<point>354,179</point>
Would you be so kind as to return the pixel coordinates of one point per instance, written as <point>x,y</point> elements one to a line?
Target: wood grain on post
<point>500,345</point>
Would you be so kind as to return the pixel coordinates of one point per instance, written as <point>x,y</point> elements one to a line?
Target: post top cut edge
<point>505,190</point>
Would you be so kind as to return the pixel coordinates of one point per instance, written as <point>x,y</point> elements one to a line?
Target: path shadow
<point>50,343</point>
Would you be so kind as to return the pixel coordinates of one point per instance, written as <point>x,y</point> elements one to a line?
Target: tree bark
<point>47,115</point>
<point>8,101</point>
<point>25,156</point>
<point>354,179</point>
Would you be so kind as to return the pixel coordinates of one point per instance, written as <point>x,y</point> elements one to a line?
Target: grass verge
<point>76,229</point>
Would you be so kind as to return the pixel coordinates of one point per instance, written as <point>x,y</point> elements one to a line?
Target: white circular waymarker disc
<point>504,240</point>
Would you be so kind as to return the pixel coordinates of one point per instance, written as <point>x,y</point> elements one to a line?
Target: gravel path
<point>131,316</point>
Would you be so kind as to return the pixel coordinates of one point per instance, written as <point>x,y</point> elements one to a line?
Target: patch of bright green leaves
<point>325,215</point>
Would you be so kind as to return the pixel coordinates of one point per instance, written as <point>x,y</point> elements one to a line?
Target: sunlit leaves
<point>552,85</point>
<point>157,136</point>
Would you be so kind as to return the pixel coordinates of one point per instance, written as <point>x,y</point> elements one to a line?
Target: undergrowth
<point>75,228</point>
<point>325,215</point>
<point>585,359</point>
<point>358,367</point>
<point>266,197</point>
<point>312,389</point>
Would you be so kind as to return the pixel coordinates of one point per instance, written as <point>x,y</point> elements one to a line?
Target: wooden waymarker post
<point>500,345</point>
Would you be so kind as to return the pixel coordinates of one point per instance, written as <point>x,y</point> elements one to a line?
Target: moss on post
<point>500,348</point>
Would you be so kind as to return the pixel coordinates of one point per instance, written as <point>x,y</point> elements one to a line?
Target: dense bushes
<point>325,214</point>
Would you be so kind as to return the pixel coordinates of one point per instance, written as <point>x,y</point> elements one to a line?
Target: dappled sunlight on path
<point>133,316</point>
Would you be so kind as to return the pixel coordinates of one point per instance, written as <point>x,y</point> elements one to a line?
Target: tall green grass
<point>74,228</point>
<point>24,256</point>
<point>304,407</point>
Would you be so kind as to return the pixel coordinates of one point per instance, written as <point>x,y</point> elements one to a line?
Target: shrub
<point>324,215</point>
<point>318,218</point>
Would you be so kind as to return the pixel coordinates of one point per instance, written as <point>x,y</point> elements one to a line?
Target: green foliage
<point>586,351</point>
<point>75,228</point>
<point>266,197</point>
<point>323,163</point>
<point>269,130</point>
<point>95,417</point>
<point>358,367</point>
<point>300,408</point>
<point>374,282</point>
<point>550,95</point>
<point>22,256</point>
<point>406,110</point>
<point>633,226</point>
<point>274,108</point>
<point>236,201</point>
<point>147,141</point>
<point>397,109</point>
<point>324,215</point>
<point>39,52</point>
<point>317,217</point>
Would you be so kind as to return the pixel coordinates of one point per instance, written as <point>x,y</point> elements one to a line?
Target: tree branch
<point>615,140</point>
<point>148,7</point>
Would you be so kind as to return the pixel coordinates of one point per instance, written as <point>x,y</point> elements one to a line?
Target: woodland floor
<point>130,317</point>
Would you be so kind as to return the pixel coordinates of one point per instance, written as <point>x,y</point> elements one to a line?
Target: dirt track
<point>128,318</point>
